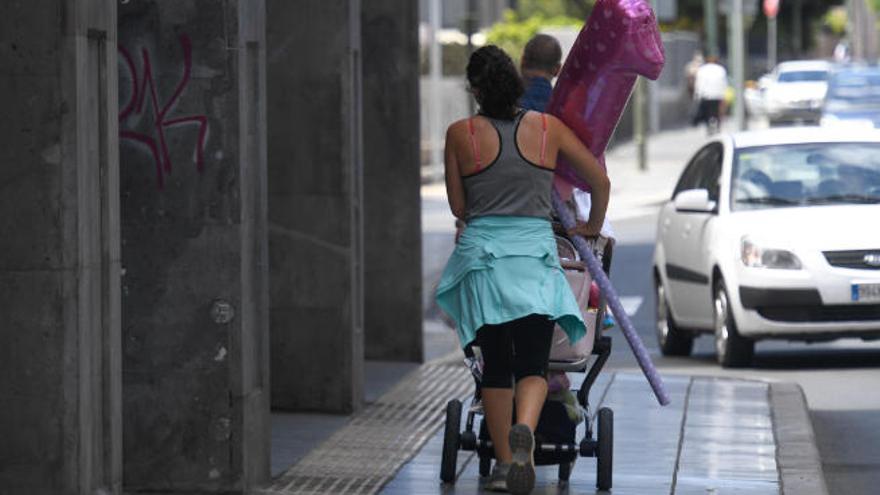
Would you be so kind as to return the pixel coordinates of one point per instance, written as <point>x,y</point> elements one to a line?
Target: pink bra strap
<point>543,137</point>
<point>474,143</point>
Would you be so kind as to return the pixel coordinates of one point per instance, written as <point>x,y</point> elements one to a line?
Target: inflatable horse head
<point>620,41</point>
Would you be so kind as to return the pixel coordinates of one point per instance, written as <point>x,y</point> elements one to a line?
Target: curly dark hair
<point>495,81</point>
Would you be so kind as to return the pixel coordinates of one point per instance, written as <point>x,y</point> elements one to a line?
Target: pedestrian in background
<point>503,284</point>
<point>690,72</point>
<point>710,90</point>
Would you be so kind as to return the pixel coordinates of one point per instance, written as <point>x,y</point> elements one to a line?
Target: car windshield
<point>802,76</point>
<point>853,90</point>
<point>806,174</point>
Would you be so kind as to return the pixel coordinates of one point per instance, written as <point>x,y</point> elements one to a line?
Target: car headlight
<point>755,256</point>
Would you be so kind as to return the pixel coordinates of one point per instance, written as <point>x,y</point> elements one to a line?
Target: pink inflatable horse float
<point>619,42</point>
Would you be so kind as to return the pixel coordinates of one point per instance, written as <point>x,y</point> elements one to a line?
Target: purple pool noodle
<point>623,320</point>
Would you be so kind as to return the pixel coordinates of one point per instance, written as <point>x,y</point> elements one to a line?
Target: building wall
<point>195,290</point>
<point>315,204</point>
<point>392,181</point>
<point>59,272</point>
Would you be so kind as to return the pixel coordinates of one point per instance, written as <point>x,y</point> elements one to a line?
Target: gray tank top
<point>510,185</point>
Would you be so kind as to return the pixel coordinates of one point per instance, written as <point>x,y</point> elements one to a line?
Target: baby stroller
<point>555,435</point>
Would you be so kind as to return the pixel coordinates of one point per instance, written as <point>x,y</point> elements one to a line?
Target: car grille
<point>813,313</point>
<point>852,259</point>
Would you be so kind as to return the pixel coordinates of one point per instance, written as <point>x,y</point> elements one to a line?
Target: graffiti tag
<point>143,85</point>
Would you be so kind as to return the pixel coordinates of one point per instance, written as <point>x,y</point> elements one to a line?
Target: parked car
<point>795,92</point>
<point>771,234</point>
<point>853,98</point>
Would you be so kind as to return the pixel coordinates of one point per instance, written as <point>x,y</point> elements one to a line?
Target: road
<point>841,380</point>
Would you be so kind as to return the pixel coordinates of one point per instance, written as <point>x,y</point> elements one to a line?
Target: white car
<point>795,91</point>
<point>771,234</point>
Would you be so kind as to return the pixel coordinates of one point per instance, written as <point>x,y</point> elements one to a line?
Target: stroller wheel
<point>451,436</point>
<point>565,470</point>
<point>485,466</point>
<point>605,448</point>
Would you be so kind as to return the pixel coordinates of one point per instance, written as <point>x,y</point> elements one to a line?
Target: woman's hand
<point>589,229</point>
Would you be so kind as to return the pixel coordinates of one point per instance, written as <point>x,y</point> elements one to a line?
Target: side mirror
<point>694,201</point>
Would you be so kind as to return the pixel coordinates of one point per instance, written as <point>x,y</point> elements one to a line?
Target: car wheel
<point>672,340</point>
<point>731,349</point>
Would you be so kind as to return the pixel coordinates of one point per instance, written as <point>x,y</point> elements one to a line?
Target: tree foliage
<point>530,16</point>
<point>512,34</point>
<point>578,9</point>
<point>835,20</point>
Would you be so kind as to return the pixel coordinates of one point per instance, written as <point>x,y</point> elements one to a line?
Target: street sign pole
<point>797,28</point>
<point>736,60</point>
<point>435,140</point>
<point>470,27</point>
<point>640,130</point>
<point>710,22</point>
<point>771,42</point>
<point>771,10</point>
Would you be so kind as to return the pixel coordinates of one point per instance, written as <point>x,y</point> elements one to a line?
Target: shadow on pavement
<point>818,359</point>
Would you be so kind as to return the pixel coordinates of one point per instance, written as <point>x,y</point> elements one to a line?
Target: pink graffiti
<point>145,86</point>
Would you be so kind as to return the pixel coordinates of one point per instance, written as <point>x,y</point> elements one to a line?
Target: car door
<point>696,237</point>
<point>683,234</point>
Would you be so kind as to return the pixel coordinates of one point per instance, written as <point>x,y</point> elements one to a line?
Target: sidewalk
<point>718,436</point>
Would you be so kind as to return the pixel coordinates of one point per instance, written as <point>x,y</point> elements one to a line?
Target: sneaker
<point>521,476</point>
<point>497,481</point>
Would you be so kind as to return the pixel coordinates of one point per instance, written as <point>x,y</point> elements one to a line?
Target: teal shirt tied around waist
<point>504,268</point>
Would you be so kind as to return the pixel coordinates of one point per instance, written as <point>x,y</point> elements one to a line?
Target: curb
<point>797,457</point>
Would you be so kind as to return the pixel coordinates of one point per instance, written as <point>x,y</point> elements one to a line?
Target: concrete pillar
<point>60,430</point>
<point>195,288</point>
<point>392,181</point>
<point>315,204</point>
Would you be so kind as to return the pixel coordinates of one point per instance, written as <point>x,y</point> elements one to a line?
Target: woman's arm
<point>454,185</point>
<point>589,168</point>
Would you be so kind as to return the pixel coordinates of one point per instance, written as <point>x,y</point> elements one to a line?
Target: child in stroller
<point>555,435</point>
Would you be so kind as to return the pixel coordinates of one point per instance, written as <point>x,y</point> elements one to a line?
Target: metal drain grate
<point>362,456</point>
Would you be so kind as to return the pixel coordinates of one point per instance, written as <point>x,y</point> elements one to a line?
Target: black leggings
<point>517,349</point>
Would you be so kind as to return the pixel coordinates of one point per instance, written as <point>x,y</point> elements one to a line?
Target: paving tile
<point>728,444</point>
<point>737,420</point>
<point>725,435</point>
<point>707,486</point>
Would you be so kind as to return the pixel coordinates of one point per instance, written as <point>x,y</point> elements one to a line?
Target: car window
<point>711,170</point>
<point>694,172</point>
<point>703,171</point>
<point>803,76</point>
<point>805,174</point>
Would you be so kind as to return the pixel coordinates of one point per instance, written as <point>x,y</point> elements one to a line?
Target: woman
<point>503,285</point>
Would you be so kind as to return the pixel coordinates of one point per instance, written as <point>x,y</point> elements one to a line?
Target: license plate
<point>866,292</point>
